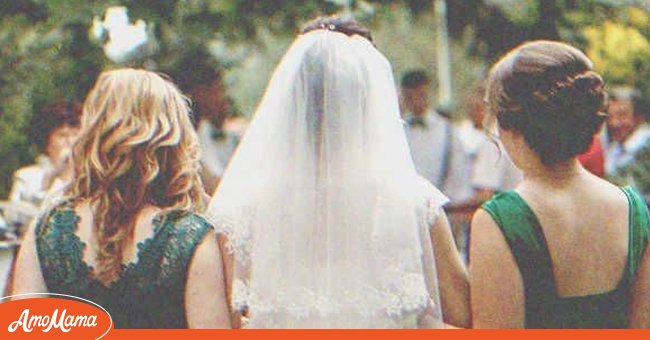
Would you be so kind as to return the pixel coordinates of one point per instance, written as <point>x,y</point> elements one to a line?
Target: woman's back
<point>565,250</point>
<point>577,246</point>
<point>587,217</point>
<point>137,156</point>
<point>150,290</point>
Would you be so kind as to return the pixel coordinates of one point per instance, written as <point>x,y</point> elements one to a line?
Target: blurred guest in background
<point>434,142</point>
<point>491,169</point>
<point>202,82</point>
<point>627,130</point>
<point>55,130</point>
<point>8,244</point>
<point>470,129</point>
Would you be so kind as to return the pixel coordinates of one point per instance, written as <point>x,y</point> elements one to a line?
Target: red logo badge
<point>61,316</point>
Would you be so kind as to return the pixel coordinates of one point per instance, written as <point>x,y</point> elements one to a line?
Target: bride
<point>325,218</point>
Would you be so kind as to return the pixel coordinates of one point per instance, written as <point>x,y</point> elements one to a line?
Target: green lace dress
<point>544,307</point>
<point>150,293</point>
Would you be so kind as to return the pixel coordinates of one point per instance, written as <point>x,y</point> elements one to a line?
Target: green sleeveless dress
<point>544,308</point>
<point>150,293</point>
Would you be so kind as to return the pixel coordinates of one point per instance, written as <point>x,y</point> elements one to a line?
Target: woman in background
<point>55,129</point>
<point>565,249</point>
<point>128,236</point>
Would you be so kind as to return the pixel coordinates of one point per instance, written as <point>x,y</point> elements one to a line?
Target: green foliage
<point>46,54</point>
<point>43,59</point>
<point>616,37</point>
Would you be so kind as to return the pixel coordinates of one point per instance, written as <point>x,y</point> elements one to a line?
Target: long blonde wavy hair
<point>137,148</point>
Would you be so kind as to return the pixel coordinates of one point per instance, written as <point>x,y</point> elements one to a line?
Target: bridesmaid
<point>128,236</point>
<point>565,249</point>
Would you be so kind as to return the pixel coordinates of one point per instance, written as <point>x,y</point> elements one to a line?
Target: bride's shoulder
<point>430,194</point>
<point>431,201</point>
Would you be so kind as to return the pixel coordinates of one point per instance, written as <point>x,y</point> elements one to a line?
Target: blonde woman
<point>127,237</point>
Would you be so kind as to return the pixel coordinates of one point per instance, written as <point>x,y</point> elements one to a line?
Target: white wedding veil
<point>322,208</point>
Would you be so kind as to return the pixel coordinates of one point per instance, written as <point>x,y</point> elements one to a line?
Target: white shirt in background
<point>439,156</point>
<point>471,136</point>
<point>493,169</point>
<point>27,192</point>
<point>216,147</point>
<point>28,181</point>
<point>619,155</point>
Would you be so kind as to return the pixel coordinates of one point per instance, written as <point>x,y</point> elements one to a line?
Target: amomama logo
<point>60,316</point>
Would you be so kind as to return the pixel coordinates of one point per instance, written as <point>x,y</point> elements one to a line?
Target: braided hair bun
<point>549,92</point>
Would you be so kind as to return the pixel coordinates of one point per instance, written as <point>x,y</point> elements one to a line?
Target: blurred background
<point>52,50</point>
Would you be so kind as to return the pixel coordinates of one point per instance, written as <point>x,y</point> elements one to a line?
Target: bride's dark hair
<point>345,25</point>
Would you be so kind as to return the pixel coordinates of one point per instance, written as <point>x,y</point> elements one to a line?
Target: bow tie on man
<point>417,121</point>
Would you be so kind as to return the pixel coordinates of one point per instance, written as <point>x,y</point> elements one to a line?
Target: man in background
<point>435,145</point>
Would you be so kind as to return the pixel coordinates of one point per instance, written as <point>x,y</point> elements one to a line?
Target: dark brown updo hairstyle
<point>341,24</point>
<point>549,93</point>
